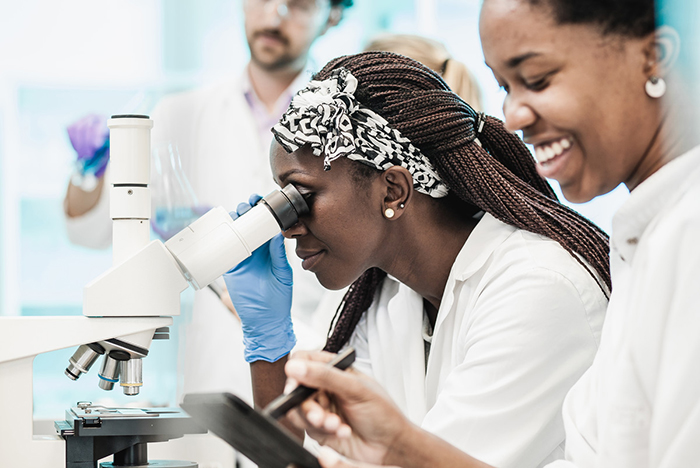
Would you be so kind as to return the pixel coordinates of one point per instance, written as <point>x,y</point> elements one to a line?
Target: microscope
<point>124,310</point>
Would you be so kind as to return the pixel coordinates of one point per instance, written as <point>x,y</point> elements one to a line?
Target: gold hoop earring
<point>389,213</point>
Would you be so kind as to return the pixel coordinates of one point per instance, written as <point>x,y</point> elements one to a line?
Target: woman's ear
<point>398,190</point>
<point>662,50</point>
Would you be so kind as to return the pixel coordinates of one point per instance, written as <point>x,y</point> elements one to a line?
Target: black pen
<point>283,403</point>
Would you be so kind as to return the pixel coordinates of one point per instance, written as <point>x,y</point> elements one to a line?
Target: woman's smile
<point>553,155</point>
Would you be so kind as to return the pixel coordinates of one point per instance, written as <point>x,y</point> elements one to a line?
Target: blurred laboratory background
<point>62,60</point>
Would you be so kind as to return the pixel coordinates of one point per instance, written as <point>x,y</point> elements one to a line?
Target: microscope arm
<point>146,284</point>
<point>65,332</point>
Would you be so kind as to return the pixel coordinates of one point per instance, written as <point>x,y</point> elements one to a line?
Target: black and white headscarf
<point>326,116</point>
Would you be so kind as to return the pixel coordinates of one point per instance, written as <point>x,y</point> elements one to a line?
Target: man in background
<point>222,134</point>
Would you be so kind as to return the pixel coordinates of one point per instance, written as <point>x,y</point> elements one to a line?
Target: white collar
<point>650,198</point>
<point>484,239</point>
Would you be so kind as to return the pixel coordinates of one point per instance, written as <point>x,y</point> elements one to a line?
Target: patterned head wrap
<point>326,116</point>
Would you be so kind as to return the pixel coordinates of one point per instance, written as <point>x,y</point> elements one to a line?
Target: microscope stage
<point>98,421</point>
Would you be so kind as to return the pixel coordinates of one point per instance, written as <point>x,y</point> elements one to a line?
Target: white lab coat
<point>518,324</point>
<point>224,161</point>
<point>639,404</point>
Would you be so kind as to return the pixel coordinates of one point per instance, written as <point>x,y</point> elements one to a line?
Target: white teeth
<point>539,154</point>
<point>557,148</point>
<point>543,153</point>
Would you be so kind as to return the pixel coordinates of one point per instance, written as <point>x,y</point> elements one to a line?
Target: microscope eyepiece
<point>286,205</point>
<point>215,243</point>
<point>129,116</point>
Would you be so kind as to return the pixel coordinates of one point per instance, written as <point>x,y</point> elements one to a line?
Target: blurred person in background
<point>222,134</point>
<point>434,55</point>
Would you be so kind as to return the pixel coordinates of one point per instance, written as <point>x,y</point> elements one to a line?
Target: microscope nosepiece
<point>83,358</point>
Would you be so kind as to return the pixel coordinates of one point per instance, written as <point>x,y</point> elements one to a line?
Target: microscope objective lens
<point>131,377</point>
<point>109,375</point>
<point>81,361</point>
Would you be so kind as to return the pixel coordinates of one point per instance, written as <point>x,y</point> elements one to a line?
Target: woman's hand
<point>351,413</point>
<point>355,417</point>
<point>260,288</point>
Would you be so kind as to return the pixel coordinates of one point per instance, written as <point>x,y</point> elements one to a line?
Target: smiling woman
<point>475,298</point>
<point>556,82</point>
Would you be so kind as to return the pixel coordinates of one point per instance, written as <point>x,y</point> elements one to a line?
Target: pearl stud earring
<point>655,87</point>
<point>389,213</point>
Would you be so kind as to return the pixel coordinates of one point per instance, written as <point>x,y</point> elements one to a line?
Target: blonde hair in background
<point>435,56</point>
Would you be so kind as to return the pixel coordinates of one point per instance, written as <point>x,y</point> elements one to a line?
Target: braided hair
<point>487,167</point>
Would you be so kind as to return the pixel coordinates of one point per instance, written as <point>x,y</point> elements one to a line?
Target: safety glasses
<point>301,11</point>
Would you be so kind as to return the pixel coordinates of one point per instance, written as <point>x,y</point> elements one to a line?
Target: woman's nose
<point>518,114</point>
<point>298,230</point>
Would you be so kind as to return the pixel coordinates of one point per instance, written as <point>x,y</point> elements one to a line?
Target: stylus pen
<point>283,403</point>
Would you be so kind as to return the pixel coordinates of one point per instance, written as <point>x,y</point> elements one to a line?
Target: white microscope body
<point>133,301</point>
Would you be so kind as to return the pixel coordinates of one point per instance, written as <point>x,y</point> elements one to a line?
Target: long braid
<point>488,167</point>
<point>357,300</point>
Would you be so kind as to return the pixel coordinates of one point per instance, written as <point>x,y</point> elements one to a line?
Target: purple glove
<point>90,139</point>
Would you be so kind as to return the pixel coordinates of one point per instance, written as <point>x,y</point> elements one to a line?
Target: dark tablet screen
<point>258,437</point>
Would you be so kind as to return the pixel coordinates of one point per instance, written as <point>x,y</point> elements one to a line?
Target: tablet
<point>258,437</point>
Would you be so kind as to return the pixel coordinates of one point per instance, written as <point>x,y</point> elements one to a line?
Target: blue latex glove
<point>260,288</point>
<point>90,139</point>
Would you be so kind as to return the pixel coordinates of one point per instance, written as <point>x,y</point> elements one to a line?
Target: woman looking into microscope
<point>475,298</point>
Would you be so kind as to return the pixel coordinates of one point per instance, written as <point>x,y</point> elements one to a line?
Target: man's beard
<point>279,61</point>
